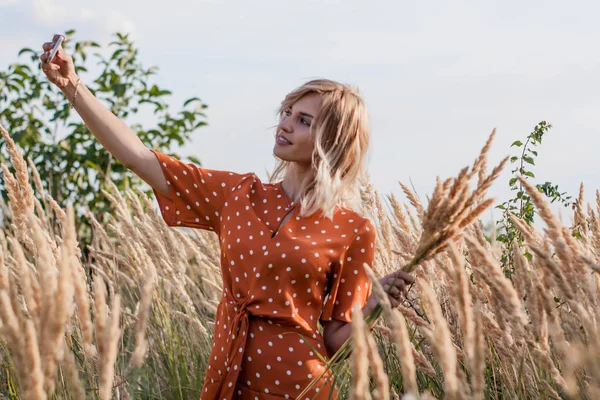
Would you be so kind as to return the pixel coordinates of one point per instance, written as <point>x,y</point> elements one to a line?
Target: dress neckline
<point>290,204</point>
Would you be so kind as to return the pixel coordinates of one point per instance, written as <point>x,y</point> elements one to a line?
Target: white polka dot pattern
<point>350,284</point>
<point>198,194</point>
<point>281,275</point>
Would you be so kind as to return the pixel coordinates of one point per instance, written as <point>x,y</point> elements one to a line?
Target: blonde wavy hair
<point>341,134</point>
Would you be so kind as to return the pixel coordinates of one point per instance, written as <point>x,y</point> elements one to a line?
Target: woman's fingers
<point>399,276</point>
<point>50,67</point>
<point>48,46</point>
<point>399,283</point>
<point>405,290</point>
<point>45,65</point>
<point>397,286</point>
<point>405,276</point>
<point>395,292</point>
<point>61,55</point>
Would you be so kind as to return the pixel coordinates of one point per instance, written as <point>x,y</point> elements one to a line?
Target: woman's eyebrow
<point>304,114</point>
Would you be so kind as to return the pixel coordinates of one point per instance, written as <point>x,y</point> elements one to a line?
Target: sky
<point>437,76</point>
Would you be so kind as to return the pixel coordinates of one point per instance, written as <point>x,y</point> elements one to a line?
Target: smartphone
<point>61,38</point>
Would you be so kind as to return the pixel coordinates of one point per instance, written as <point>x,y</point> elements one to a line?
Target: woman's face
<point>294,141</point>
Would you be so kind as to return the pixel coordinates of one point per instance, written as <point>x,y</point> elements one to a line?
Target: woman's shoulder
<point>250,182</point>
<point>352,219</point>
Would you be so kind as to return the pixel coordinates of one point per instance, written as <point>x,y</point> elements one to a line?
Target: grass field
<point>136,320</point>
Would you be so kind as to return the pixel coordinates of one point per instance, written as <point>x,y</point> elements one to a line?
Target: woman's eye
<point>304,121</point>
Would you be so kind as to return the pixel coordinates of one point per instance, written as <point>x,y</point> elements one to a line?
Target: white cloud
<point>12,46</point>
<point>6,3</point>
<point>98,20</point>
<point>86,13</point>
<point>117,22</point>
<point>50,12</point>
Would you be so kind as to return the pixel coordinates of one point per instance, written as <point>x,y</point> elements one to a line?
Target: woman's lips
<point>282,141</point>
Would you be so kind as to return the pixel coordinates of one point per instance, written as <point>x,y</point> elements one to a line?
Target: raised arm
<point>111,132</point>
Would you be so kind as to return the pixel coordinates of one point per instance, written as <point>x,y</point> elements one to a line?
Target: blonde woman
<point>292,250</point>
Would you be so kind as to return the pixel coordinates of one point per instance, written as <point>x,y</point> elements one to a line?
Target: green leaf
<point>517,143</point>
<point>512,181</point>
<point>25,51</point>
<point>154,90</point>
<point>513,159</point>
<point>528,160</point>
<point>119,89</point>
<point>528,256</point>
<point>116,54</point>
<point>529,173</point>
<point>195,160</point>
<point>188,101</point>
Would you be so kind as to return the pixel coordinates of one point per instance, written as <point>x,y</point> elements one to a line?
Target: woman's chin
<point>280,153</point>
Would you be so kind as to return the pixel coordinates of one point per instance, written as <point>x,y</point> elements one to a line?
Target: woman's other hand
<point>399,281</point>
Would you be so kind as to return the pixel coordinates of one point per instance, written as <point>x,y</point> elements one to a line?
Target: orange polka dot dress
<point>278,280</point>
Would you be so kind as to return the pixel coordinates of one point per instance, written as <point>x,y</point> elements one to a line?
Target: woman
<point>292,252</point>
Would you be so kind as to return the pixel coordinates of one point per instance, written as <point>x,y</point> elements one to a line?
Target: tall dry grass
<point>131,321</point>
<point>533,334</point>
<point>135,320</point>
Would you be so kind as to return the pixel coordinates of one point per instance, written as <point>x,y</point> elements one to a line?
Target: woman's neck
<point>294,182</point>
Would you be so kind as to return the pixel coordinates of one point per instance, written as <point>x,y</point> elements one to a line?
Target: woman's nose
<point>286,124</point>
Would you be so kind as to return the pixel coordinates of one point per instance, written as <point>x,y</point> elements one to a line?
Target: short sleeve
<point>349,284</point>
<point>197,194</point>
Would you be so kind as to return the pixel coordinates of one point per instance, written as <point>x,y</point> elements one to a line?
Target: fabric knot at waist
<point>235,353</point>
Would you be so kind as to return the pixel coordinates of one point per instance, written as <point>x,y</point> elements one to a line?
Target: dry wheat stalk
<point>108,335</point>
<point>501,286</point>
<point>441,340</point>
<point>382,386</point>
<point>141,344</point>
<point>399,334</point>
<point>478,362</point>
<point>360,365</point>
